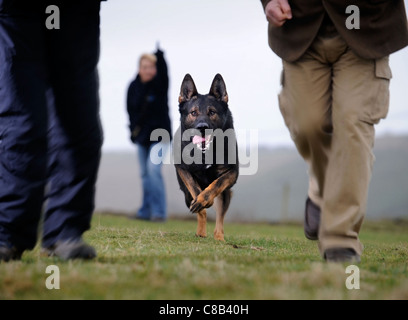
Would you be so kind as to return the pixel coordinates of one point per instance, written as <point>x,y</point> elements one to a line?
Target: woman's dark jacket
<point>147,104</point>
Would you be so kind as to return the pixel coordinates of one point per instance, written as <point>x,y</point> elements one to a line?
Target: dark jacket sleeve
<point>162,87</point>
<point>131,106</point>
<point>135,97</point>
<point>162,77</point>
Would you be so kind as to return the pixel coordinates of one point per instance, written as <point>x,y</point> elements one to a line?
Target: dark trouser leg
<point>23,123</point>
<point>75,134</point>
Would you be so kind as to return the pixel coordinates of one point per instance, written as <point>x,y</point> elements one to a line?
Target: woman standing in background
<point>147,105</point>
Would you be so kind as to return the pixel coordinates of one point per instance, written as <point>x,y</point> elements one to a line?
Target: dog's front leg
<point>221,205</point>
<point>206,198</point>
<point>194,190</point>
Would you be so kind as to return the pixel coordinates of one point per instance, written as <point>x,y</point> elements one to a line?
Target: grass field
<point>142,260</point>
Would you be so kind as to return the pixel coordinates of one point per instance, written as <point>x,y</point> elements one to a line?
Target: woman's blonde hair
<point>148,56</point>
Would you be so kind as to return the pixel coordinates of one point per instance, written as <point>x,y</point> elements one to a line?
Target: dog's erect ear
<point>188,89</point>
<point>218,89</point>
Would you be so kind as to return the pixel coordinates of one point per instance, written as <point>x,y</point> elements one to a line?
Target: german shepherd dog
<point>208,181</point>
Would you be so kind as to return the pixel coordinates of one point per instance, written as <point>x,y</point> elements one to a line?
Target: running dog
<point>207,123</point>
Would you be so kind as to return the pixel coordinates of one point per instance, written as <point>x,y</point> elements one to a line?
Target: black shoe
<point>7,254</point>
<point>312,220</point>
<point>71,249</point>
<point>340,255</point>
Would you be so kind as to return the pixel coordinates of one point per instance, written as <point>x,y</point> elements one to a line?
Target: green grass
<point>142,260</point>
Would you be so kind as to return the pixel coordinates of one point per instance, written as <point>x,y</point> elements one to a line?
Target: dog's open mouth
<point>203,142</point>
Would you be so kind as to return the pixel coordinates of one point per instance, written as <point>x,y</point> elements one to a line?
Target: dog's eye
<point>194,113</point>
<point>212,113</point>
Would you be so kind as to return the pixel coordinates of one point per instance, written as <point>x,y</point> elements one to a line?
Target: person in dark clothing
<point>50,131</point>
<point>147,105</point>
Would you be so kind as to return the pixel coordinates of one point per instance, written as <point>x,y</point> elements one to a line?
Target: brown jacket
<point>383,27</point>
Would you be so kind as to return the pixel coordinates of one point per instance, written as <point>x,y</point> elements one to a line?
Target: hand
<point>135,132</point>
<point>277,12</point>
<point>159,51</point>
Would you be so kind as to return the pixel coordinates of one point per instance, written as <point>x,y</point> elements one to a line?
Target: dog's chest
<point>205,176</point>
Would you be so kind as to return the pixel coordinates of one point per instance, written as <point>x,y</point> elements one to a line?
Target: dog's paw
<point>202,235</point>
<point>219,233</point>
<point>203,201</point>
<point>219,237</point>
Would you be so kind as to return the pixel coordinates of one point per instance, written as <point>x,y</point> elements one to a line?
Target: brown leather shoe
<point>312,220</point>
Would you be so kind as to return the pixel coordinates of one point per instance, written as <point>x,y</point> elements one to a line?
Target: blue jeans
<point>154,194</point>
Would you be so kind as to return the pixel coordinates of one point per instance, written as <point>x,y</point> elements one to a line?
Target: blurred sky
<point>203,38</point>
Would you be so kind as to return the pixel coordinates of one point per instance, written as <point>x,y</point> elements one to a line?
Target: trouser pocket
<point>378,94</point>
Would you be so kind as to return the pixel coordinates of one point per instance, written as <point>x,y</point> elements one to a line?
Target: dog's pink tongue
<point>198,139</point>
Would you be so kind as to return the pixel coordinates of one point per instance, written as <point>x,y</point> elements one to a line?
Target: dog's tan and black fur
<point>206,184</point>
